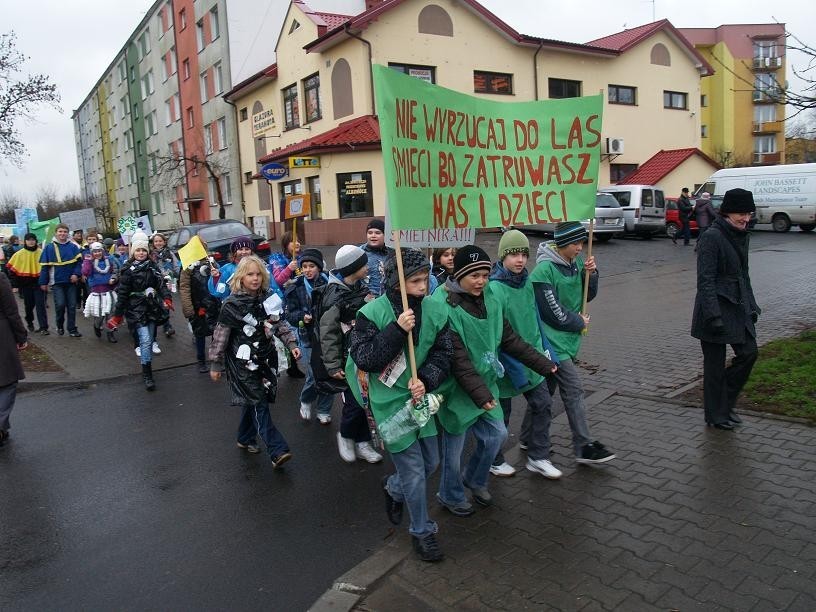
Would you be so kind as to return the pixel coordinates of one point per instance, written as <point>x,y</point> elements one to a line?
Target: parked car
<point>644,208</point>
<point>608,219</point>
<point>218,234</point>
<point>673,219</point>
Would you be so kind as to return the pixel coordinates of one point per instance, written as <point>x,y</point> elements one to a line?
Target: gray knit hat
<point>349,259</point>
<point>569,232</point>
<point>413,261</point>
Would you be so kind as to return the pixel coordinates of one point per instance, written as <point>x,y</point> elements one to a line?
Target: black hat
<point>469,259</point>
<point>377,224</point>
<point>242,242</point>
<point>568,232</point>
<point>29,236</point>
<point>413,261</point>
<point>737,201</point>
<point>312,255</point>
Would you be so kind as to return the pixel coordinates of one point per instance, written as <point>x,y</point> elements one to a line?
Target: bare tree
<point>9,200</point>
<point>19,98</point>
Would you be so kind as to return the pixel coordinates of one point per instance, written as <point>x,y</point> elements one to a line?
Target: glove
<point>716,326</point>
<point>202,311</point>
<point>168,304</point>
<point>114,322</point>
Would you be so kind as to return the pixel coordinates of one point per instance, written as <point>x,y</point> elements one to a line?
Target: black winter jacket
<point>141,293</point>
<point>299,304</point>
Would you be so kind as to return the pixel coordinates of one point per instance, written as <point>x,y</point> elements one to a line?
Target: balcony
<point>767,127</point>
<point>766,63</point>
<point>767,158</point>
<point>770,94</point>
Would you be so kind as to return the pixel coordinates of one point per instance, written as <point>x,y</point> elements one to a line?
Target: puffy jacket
<point>140,294</point>
<point>60,262</point>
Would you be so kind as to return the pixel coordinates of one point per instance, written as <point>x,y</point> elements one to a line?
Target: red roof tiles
<point>653,170</point>
<point>360,133</point>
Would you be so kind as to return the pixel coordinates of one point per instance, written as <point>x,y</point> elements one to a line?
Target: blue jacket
<point>376,261</point>
<point>221,289</point>
<point>60,262</point>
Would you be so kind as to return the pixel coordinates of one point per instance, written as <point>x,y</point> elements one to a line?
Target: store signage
<point>304,162</point>
<point>263,122</point>
<point>273,171</point>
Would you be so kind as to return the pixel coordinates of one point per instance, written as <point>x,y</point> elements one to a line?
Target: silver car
<point>609,219</point>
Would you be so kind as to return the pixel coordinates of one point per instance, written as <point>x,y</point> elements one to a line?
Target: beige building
<point>316,102</point>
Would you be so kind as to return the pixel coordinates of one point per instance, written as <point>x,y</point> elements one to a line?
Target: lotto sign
<point>297,206</point>
<point>457,161</point>
<point>304,162</point>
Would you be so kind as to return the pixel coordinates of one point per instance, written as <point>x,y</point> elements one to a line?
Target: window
<point>291,111</point>
<point>564,88</point>
<point>128,140</point>
<point>764,144</point>
<point>621,94</point>
<point>204,86</point>
<point>425,73</point>
<point>139,150</point>
<point>125,106</point>
<point>171,109</point>
<point>222,133</point>
<point>208,144</point>
<point>618,172</point>
<point>131,170</point>
<point>703,131</point>
<point>354,194</point>
<point>214,192</point>
<point>311,91</point>
<point>157,206</point>
<point>185,69</point>
<point>182,19</point>
<point>764,113</point>
<point>122,71</point>
<point>200,35</point>
<point>133,74</point>
<point>169,66</point>
<point>243,114</point>
<point>675,99</point>
<point>492,82</point>
<point>114,112</point>
<point>703,101</point>
<point>660,55</point>
<point>190,117</point>
<point>316,206</point>
<point>218,79</point>
<point>149,118</point>
<point>215,29</point>
<point>765,48</point>
<point>226,188</point>
<point>148,87</point>
<point>143,48</point>
<point>248,178</point>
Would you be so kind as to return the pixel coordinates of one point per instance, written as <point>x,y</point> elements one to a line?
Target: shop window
<point>354,194</point>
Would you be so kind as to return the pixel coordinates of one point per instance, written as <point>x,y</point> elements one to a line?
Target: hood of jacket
<point>503,275</point>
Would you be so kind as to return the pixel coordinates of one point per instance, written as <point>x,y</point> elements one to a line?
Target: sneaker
<point>305,411</point>
<point>366,452</point>
<point>480,495</point>
<point>138,351</point>
<point>594,452</point>
<point>346,448</point>
<point>324,419</point>
<point>504,470</point>
<point>75,334</point>
<point>393,508</point>
<point>281,459</point>
<point>250,447</point>
<point>427,548</point>
<point>203,368</point>
<point>43,332</point>
<point>462,510</point>
<point>156,349</point>
<point>30,327</point>
<point>544,467</point>
<point>523,446</point>
<point>60,331</point>
<point>170,332</point>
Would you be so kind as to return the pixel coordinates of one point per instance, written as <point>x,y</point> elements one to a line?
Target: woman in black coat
<point>13,338</point>
<point>725,310</point>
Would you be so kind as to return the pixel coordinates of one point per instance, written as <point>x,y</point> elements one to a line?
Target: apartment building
<point>316,100</point>
<point>154,136</point>
<point>743,113</point>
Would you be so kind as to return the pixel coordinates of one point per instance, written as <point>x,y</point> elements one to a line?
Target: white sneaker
<point>366,452</point>
<point>324,419</point>
<point>346,448</point>
<point>544,467</point>
<point>305,411</point>
<point>156,349</point>
<point>505,470</point>
<point>138,351</point>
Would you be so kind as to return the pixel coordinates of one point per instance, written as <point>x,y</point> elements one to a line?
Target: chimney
<point>370,4</point>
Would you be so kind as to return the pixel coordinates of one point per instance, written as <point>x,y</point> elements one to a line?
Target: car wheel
<point>808,227</point>
<point>672,229</point>
<point>780,223</point>
<point>603,237</point>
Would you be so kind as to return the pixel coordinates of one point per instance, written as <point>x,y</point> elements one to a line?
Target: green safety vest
<point>520,312</point>
<point>481,337</point>
<point>385,401</point>
<point>570,292</point>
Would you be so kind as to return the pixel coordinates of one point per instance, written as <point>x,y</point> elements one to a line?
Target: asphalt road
<point>113,498</point>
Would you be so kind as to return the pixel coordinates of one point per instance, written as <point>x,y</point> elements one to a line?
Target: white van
<point>644,208</point>
<point>784,195</point>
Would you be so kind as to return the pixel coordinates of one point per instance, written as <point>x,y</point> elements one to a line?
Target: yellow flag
<point>192,252</point>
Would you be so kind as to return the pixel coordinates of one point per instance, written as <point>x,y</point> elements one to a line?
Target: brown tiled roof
<point>653,170</point>
<point>362,133</point>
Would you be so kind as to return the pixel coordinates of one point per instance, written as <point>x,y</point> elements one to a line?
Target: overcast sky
<point>74,41</point>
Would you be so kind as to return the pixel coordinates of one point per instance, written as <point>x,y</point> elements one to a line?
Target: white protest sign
<point>79,219</point>
<point>430,238</point>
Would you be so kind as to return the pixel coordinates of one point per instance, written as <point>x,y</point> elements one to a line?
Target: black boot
<point>97,332</point>
<point>203,368</point>
<point>147,375</point>
<point>111,337</point>
<point>427,548</point>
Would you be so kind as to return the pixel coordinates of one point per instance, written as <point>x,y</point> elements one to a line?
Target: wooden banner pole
<point>404,296</point>
<point>584,306</point>
<point>294,238</point>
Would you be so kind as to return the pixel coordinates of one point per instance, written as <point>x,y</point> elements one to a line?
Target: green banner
<point>453,160</point>
<point>43,230</point>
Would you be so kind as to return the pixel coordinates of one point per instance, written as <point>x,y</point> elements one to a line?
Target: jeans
<point>414,466</point>
<point>200,343</point>
<point>721,384</point>
<point>353,421</point>
<point>684,231</point>
<point>34,298</point>
<point>145,335</point>
<point>309,393</point>
<point>535,429</point>
<point>256,420</point>
<point>490,435</point>
<point>65,297</point>
<point>568,380</point>
<point>8,394</point>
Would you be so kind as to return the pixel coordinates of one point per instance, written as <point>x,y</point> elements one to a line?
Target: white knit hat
<point>97,246</point>
<point>139,241</point>
<point>349,259</point>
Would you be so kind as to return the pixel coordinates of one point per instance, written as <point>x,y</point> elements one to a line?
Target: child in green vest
<point>558,283</point>
<point>509,281</point>
<point>378,346</point>
<point>479,329</point>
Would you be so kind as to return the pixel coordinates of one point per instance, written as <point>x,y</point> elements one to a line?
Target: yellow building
<point>316,102</point>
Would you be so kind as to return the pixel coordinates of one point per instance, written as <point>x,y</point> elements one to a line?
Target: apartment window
<point>355,194</point>
<point>215,29</point>
<point>185,69</point>
<point>564,88</point>
<point>291,112</point>
<point>208,143</point>
<point>128,140</point>
<point>765,48</point>
<point>764,144</point>
<point>226,186</point>
<point>182,19</point>
<point>248,178</point>
<point>311,92</point>
<point>703,101</point>
<point>424,73</point>
<point>492,82</point>
<point>122,71</point>
<point>703,131</point>
<point>214,192</point>
<point>621,94</point>
<point>190,117</point>
<point>171,110</point>
<point>675,99</point>
<point>157,206</point>
<point>169,66</point>
<point>125,106</point>
<point>204,86</point>
<point>149,124</point>
<point>148,86</point>
<point>135,111</point>
<point>618,172</point>
<point>144,44</point>
<point>218,78</point>
<point>243,114</point>
<point>133,74</point>
<point>200,35</point>
<point>221,124</point>
<point>114,112</point>
<point>764,113</point>
<point>131,169</point>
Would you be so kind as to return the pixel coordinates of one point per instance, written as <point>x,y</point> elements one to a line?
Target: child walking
<point>167,262</point>
<point>198,306</point>
<point>143,299</point>
<point>100,272</point>
<point>243,347</point>
<point>23,269</point>
<point>378,346</point>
